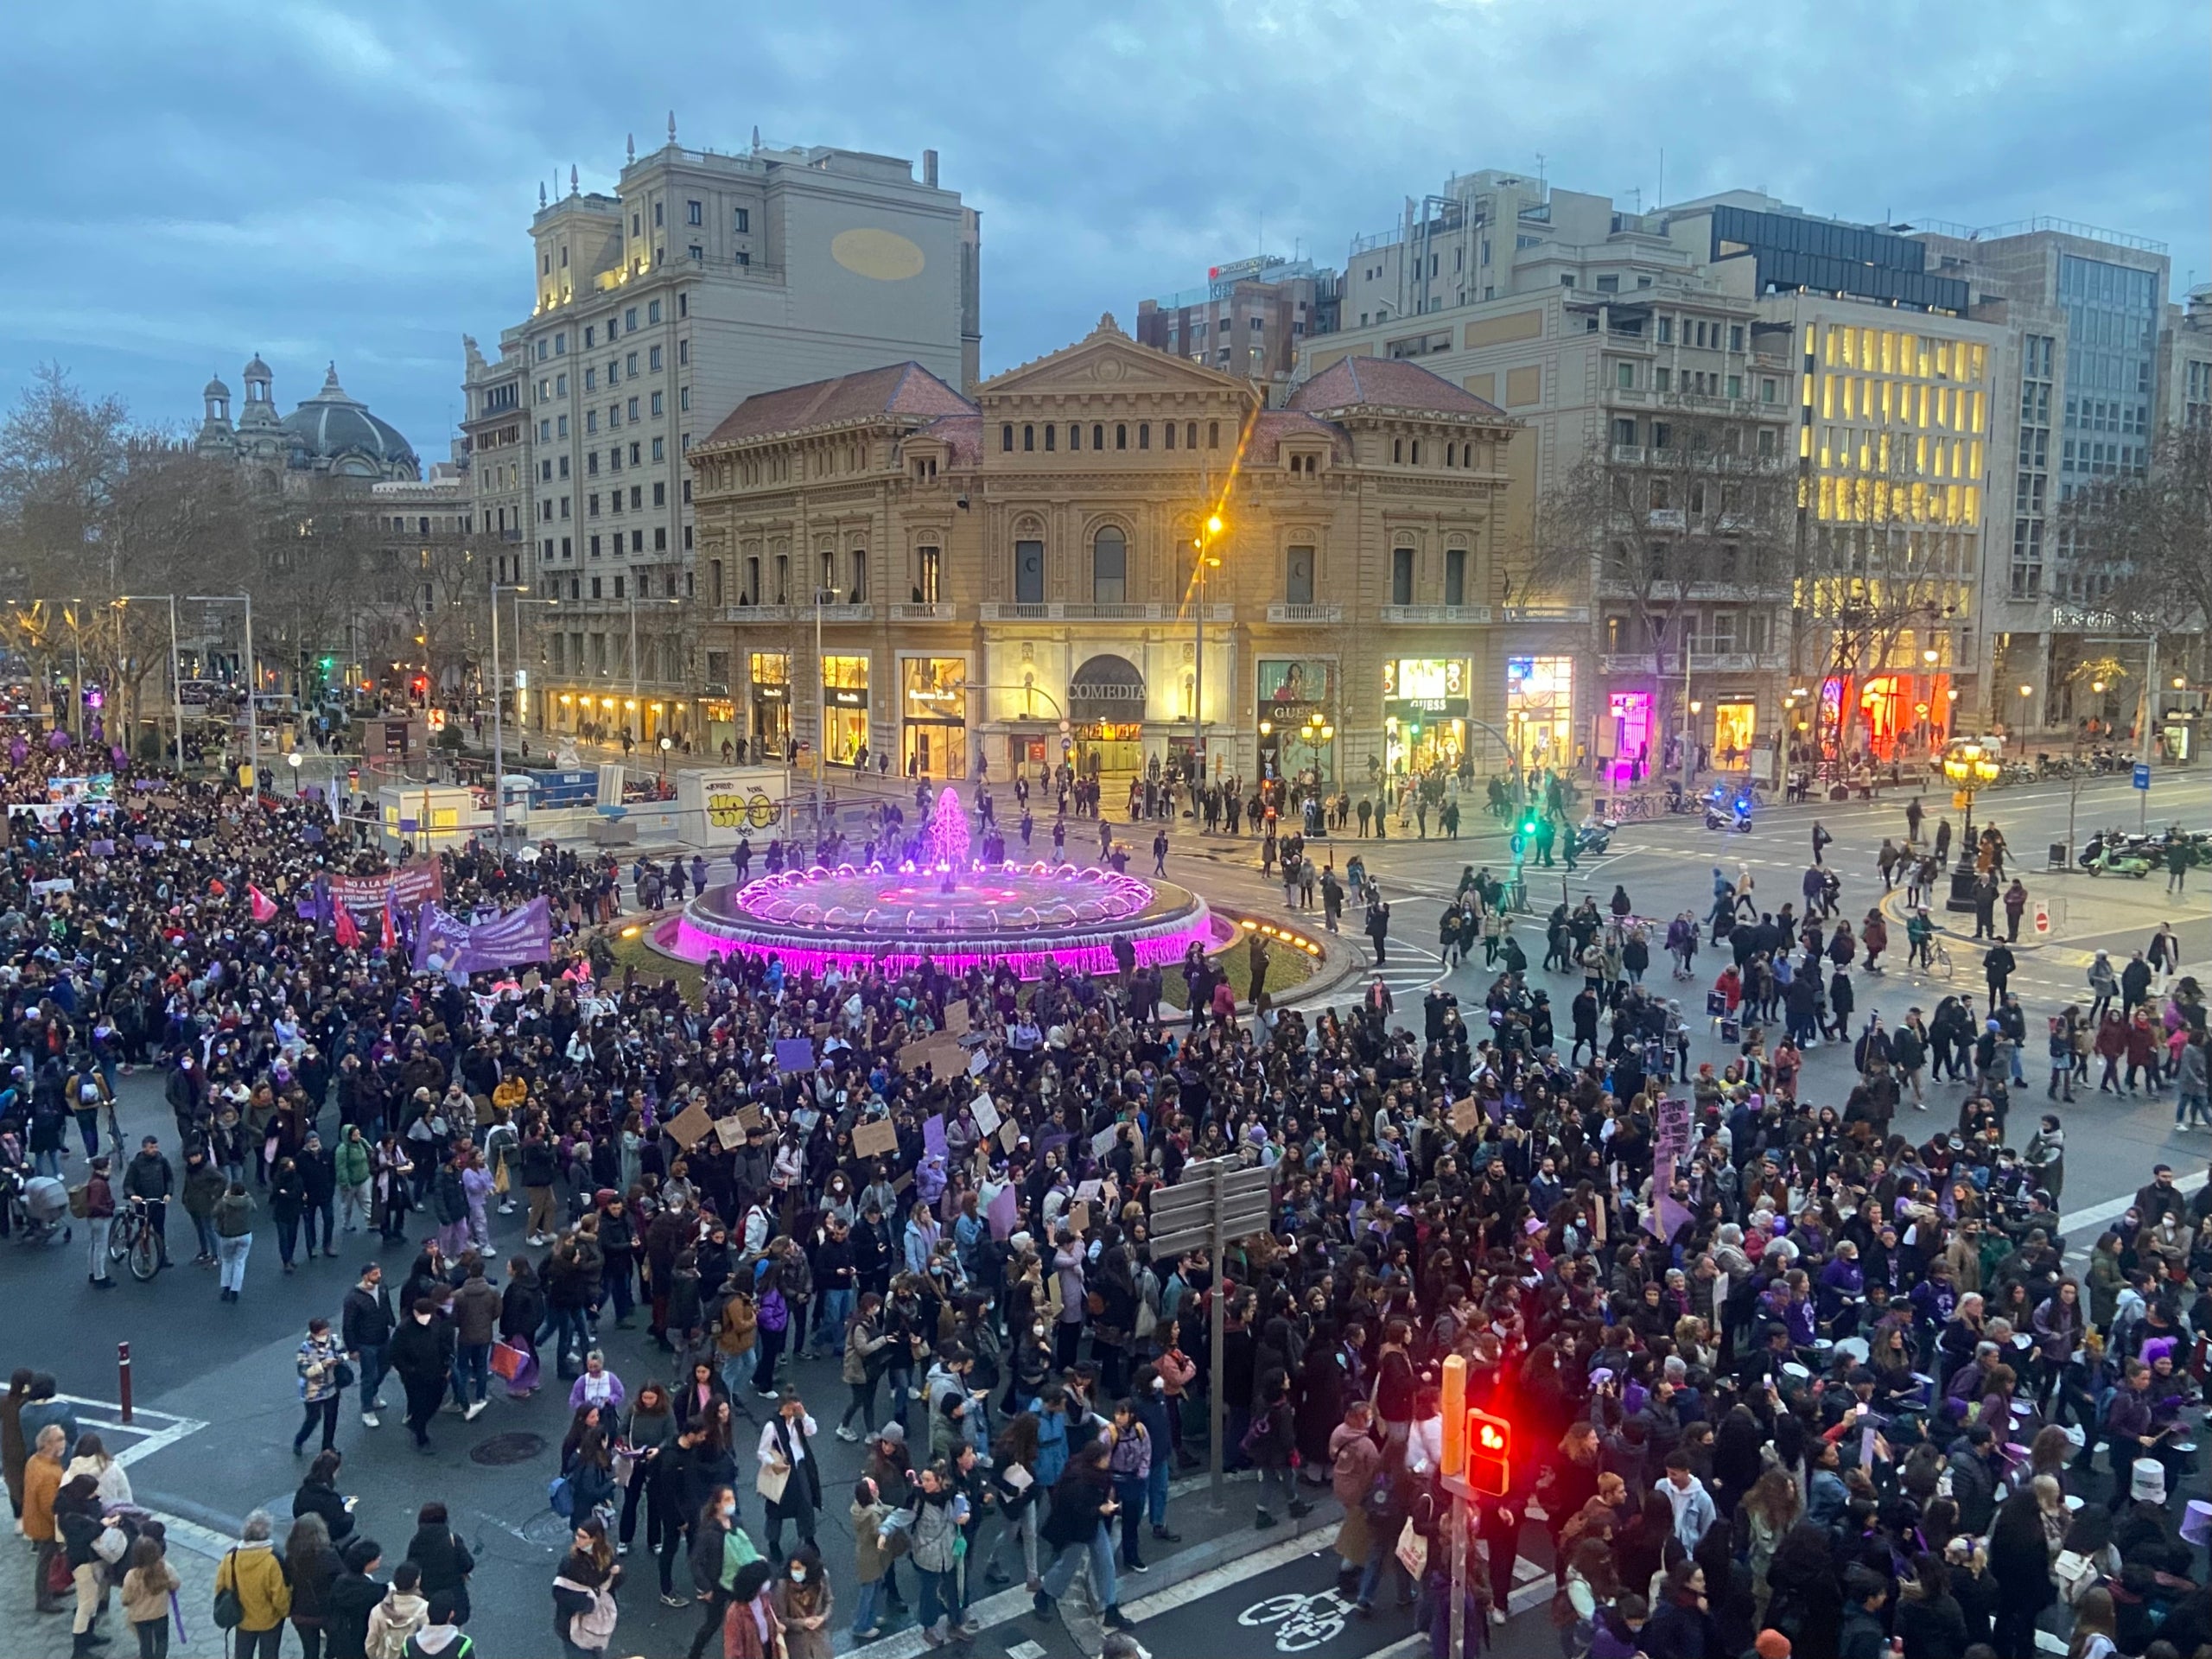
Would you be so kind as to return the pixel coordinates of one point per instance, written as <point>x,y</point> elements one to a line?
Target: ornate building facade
<point>893,570</point>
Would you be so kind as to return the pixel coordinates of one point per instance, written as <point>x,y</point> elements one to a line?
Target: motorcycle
<point>2118,859</point>
<point>1593,835</point>
<point>2125,843</point>
<point>1737,819</point>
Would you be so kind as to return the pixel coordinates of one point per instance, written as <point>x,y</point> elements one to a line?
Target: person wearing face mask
<point>720,1550</point>
<point>802,1600</point>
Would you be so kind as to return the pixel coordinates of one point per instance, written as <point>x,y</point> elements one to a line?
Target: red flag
<point>342,928</point>
<point>263,909</point>
<point>390,933</point>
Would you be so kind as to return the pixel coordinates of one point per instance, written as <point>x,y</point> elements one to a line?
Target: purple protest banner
<point>794,1054</point>
<point>933,1134</point>
<point>445,943</point>
<point>1004,1212</point>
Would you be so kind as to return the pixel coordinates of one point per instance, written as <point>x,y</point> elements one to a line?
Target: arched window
<point>1109,564</point>
<point>1168,429</point>
<point>1075,434</point>
<point>1213,435</point>
<point>1191,434</point>
<point>1052,437</point>
<point>1098,437</point>
<point>1006,436</point>
<point>1028,437</point>
<point>1121,437</point>
<point>1144,435</point>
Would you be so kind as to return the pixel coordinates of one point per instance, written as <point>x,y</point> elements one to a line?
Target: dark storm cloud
<point>198,182</point>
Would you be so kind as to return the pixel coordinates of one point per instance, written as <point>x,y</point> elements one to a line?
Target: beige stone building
<point>705,276</point>
<point>950,583</point>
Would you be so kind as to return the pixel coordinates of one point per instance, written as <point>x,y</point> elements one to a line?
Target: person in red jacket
<point>99,1221</point>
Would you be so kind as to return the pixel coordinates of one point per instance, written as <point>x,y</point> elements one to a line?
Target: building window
<point>652,311</point>
<point>1120,437</point>
<point>1298,576</point>
<point>1625,376</point>
<point>857,563</point>
<point>1401,576</point>
<point>1075,434</point>
<point>1455,575</point>
<point>927,574</point>
<point>1190,434</point>
<point>694,214</point>
<point>1144,435</point>
<point>1213,435</point>
<point>744,218</point>
<point>1028,437</point>
<point>1052,438</point>
<point>1109,557</point>
<point>1167,429</point>
<point>1006,437</point>
<point>1029,573</point>
<point>1666,331</point>
<point>1097,436</point>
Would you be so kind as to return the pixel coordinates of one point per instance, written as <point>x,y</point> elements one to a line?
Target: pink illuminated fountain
<point>947,906</point>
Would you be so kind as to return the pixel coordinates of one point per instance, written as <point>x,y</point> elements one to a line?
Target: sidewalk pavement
<point>194,1553</point>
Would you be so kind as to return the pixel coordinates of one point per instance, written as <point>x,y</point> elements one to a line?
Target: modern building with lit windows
<point>1116,556</point>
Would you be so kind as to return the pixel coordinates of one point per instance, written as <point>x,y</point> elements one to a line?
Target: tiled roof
<point>1272,425</point>
<point>962,434</point>
<point>896,389</point>
<point>1387,383</point>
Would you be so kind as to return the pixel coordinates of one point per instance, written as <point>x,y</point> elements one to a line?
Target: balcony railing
<point>1306,612</point>
<point>1628,662</point>
<point>924,611</point>
<point>1511,615</point>
<point>1734,662</point>
<point>1473,616</point>
<point>762,614</point>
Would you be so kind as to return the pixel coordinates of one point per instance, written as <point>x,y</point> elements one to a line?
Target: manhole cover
<point>507,1448</point>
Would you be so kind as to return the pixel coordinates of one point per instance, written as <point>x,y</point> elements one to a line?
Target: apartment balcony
<point>1471,616</point>
<point>1305,614</point>
<point>1514,615</point>
<point>762,615</point>
<point>1737,662</point>
<point>925,610</point>
<point>994,610</point>
<point>1628,663</point>
<point>1628,454</point>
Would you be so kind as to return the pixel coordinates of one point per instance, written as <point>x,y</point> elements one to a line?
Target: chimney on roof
<point>929,169</point>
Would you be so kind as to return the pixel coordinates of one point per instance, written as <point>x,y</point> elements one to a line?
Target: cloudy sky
<point>199,180</point>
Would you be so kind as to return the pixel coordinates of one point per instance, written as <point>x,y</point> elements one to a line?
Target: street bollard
<point>123,1378</point>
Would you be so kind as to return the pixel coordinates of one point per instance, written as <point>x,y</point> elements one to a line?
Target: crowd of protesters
<point>1778,1372</point>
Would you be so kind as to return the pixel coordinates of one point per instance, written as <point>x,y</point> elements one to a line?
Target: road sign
<point>2043,917</point>
<point>2142,774</point>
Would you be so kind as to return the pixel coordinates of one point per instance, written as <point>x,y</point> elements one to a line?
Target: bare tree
<point>2146,541</point>
<point>1878,563</point>
<point>61,455</point>
<point>1668,530</point>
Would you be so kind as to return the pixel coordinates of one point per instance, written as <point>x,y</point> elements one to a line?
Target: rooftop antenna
<point>1539,173</point>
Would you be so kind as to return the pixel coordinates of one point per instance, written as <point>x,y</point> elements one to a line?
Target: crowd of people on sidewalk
<point>1771,1364</point>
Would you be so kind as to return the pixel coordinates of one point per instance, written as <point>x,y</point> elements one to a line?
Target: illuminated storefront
<point>1539,709</point>
<point>770,674</point>
<point>1424,712</point>
<point>1106,706</point>
<point>844,709</point>
<point>1624,737</point>
<point>1296,717</point>
<point>933,716</point>
<point>1734,725</point>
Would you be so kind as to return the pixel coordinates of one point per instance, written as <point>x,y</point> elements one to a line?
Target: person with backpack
<point>252,1597</point>
<point>584,1612</point>
<point>1268,1443</point>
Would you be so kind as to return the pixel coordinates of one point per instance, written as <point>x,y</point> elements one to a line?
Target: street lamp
<point>1969,766</point>
<point>666,744</point>
<point>1202,560</point>
<point>499,706</point>
<point>1689,746</point>
<point>294,760</point>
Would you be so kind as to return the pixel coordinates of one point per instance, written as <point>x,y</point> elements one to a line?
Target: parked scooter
<point>2119,861</point>
<point>1593,835</point>
<point>1736,816</point>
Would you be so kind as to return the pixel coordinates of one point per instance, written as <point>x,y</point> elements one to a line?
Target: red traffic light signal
<point>1489,1453</point>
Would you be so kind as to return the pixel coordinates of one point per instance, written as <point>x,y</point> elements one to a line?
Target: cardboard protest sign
<point>957,1021</point>
<point>1009,1134</point>
<point>1466,1113</point>
<point>985,1111</point>
<point>750,1116</point>
<point>730,1133</point>
<point>690,1125</point>
<point>876,1138</point>
<point>1079,1218</point>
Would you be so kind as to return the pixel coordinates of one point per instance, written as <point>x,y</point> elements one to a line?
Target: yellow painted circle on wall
<point>885,255</point>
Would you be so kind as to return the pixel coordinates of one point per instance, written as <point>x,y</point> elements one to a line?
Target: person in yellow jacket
<point>253,1571</point>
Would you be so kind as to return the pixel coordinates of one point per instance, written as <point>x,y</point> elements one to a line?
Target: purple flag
<point>933,1134</point>
<point>795,1054</point>
<point>1004,1212</point>
<point>443,943</point>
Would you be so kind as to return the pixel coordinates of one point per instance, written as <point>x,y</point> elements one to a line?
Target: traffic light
<point>1489,1453</point>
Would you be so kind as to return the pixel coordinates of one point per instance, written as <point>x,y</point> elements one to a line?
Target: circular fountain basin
<point>958,915</point>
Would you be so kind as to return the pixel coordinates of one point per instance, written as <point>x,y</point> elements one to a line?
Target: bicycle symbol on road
<point>1306,1621</point>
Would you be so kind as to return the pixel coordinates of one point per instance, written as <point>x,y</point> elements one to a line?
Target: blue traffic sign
<point>2142,775</point>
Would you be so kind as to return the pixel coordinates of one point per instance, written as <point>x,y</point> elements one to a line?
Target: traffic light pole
<point>1462,1520</point>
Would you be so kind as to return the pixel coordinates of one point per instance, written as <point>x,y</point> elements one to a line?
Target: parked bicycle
<point>133,1240</point>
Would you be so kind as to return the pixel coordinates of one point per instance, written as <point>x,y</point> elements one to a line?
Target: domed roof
<point>257,370</point>
<point>332,427</point>
<point>215,388</point>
